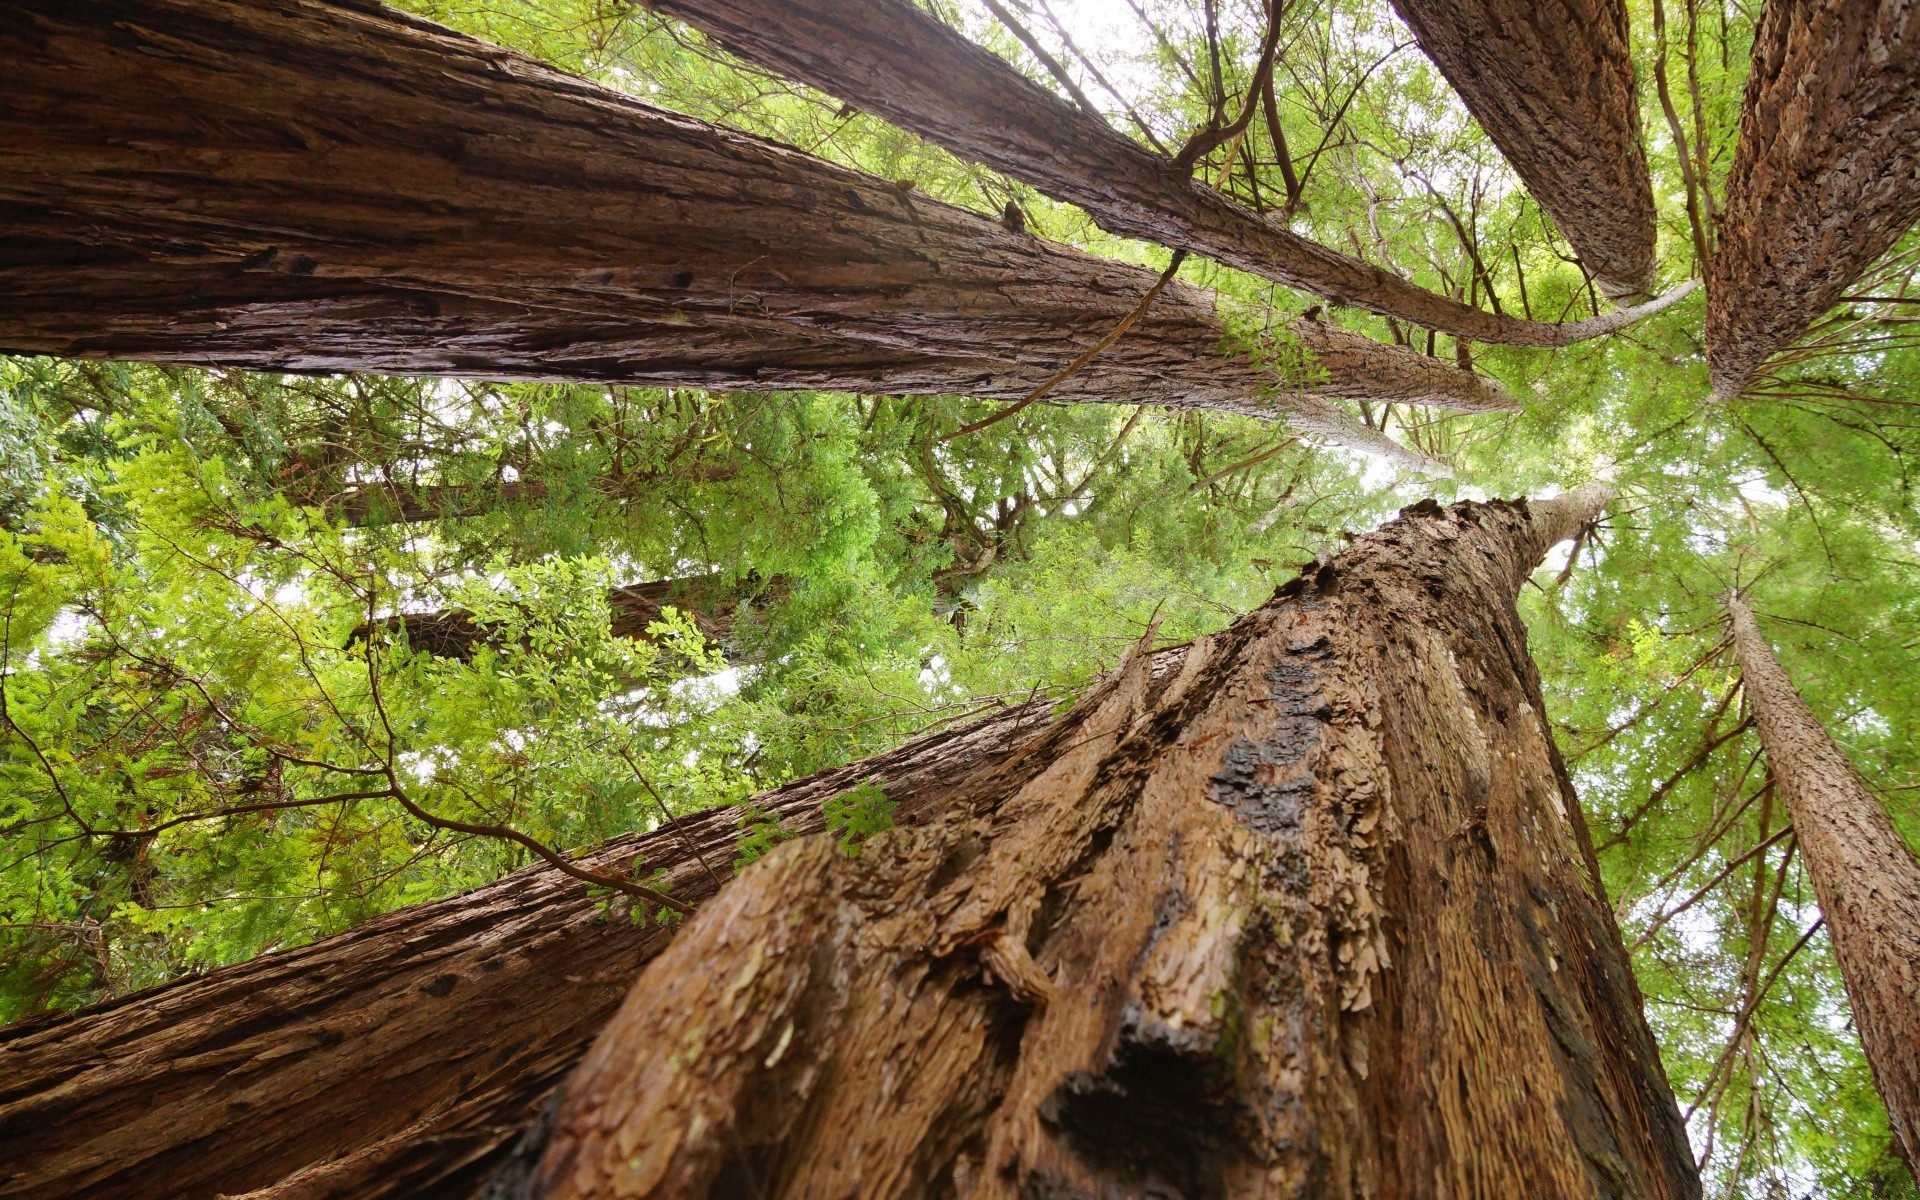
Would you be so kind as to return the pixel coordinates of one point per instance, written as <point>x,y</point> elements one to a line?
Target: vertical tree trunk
<point>313,186</point>
<point>1552,84</point>
<point>899,63</point>
<point>398,1061</point>
<point>1865,875</point>
<point>1315,916</point>
<point>1826,177</point>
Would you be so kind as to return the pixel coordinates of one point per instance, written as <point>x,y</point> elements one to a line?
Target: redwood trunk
<point>401,1059</point>
<point>1551,81</point>
<point>1314,916</point>
<point>893,60</point>
<point>1826,176</point>
<point>1864,874</point>
<point>311,186</point>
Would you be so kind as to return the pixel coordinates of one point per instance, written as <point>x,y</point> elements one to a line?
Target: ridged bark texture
<point>894,61</point>
<point>399,1060</point>
<point>1315,916</point>
<point>1551,81</point>
<point>313,186</point>
<point>1826,176</point>
<point>1864,874</point>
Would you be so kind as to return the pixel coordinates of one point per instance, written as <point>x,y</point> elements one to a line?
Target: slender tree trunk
<point>1315,916</point>
<point>891,59</point>
<point>1552,84</point>
<point>403,1058</point>
<point>1864,874</point>
<point>454,633</point>
<point>1826,177</point>
<point>313,186</point>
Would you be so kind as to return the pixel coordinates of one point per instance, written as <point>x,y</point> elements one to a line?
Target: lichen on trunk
<point>1315,915</point>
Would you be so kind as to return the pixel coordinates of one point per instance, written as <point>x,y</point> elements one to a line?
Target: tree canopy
<point>220,735</point>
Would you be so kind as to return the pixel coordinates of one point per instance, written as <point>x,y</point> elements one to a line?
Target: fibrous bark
<point>892,60</point>
<point>635,607</point>
<point>312,186</point>
<point>1552,84</point>
<point>403,1058</point>
<point>1826,176</point>
<point>1315,916</point>
<point>1865,876</point>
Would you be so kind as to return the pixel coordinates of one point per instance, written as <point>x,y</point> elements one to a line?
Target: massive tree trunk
<point>1864,874</point>
<point>897,62</point>
<point>1314,916</point>
<point>1826,176</point>
<point>401,1059</point>
<point>1552,84</point>
<point>311,186</point>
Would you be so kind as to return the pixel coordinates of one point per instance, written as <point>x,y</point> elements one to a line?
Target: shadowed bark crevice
<point>1552,84</point>
<point>323,187</point>
<point>901,64</point>
<point>1826,176</point>
<point>1308,916</point>
<point>1864,874</point>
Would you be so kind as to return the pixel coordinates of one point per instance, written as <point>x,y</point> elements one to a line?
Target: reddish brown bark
<point>1552,84</point>
<point>401,1059</point>
<point>893,60</point>
<point>1315,916</point>
<point>1826,176</point>
<point>313,186</point>
<point>1864,874</point>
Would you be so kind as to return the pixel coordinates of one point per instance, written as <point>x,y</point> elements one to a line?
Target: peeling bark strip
<point>1826,177</point>
<point>403,1058</point>
<point>303,185</point>
<point>1551,81</point>
<point>1865,876</point>
<point>1316,915</point>
<point>897,62</point>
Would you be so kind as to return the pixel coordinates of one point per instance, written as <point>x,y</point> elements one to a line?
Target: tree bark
<point>1316,915</point>
<point>1864,874</point>
<point>301,185</point>
<point>1552,84</point>
<point>400,1059</point>
<point>894,61</point>
<point>1826,176</point>
<point>454,633</point>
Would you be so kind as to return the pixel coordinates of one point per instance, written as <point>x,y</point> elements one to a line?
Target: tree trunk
<point>311,186</point>
<point>1864,874</point>
<point>1826,176</point>
<point>1316,915</point>
<point>454,633</point>
<point>403,1058</point>
<point>1552,84</point>
<point>897,62</point>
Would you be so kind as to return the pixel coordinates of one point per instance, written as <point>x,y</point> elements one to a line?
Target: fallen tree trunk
<point>1315,916</point>
<point>1826,176</point>
<point>1864,874</point>
<point>309,186</point>
<point>400,1059</point>
<point>894,61</point>
<point>1552,84</point>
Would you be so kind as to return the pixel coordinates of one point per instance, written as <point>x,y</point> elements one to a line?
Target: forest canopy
<point>284,651</point>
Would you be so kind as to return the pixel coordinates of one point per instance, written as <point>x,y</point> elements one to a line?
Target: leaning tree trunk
<point>1315,916</point>
<point>1552,84</point>
<point>1865,876</point>
<point>401,1059</point>
<point>313,186</point>
<point>1826,177</point>
<point>899,63</point>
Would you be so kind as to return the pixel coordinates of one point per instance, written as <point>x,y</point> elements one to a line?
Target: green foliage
<point>858,814</point>
<point>760,832</point>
